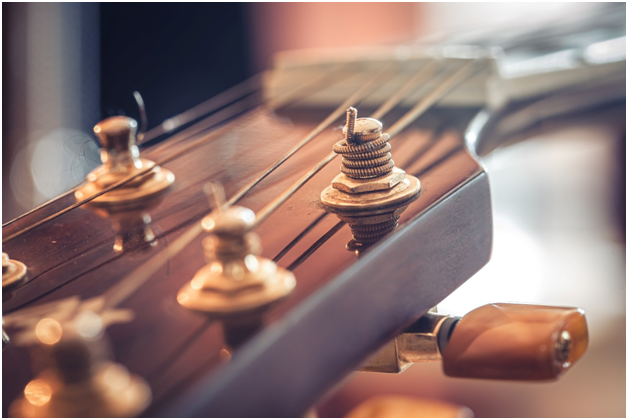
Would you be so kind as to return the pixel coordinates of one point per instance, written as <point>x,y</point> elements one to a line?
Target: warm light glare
<point>182,298</point>
<point>117,377</point>
<point>208,223</point>
<point>38,392</point>
<point>48,331</point>
<point>88,324</point>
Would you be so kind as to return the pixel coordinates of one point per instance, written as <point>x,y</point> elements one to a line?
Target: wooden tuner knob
<point>516,342</point>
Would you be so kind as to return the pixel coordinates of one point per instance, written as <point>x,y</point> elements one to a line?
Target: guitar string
<point>179,120</point>
<point>421,76</point>
<point>299,237</point>
<point>206,107</point>
<point>136,278</point>
<point>330,233</point>
<point>224,98</point>
<point>434,137</point>
<point>354,97</point>
<point>437,93</point>
<point>223,115</point>
<point>125,288</point>
<point>326,80</point>
<point>318,243</point>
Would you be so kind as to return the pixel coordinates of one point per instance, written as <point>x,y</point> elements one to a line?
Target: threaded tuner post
<point>371,192</point>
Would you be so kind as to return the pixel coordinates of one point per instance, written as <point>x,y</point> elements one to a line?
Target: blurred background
<point>558,197</point>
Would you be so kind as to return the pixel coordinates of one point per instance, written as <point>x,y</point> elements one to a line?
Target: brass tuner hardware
<point>495,341</point>
<point>396,406</point>
<point>13,273</point>
<point>370,193</point>
<point>120,159</point>
<point>80,381</point>
<point>237,284</point>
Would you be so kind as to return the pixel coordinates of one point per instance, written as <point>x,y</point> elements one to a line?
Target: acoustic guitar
<point>244,257</point>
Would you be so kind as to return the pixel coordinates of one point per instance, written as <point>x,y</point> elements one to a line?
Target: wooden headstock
<point>274,160</point>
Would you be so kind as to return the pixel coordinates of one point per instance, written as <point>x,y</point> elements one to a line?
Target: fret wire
<point>209,122</point>
<point>423,105</point>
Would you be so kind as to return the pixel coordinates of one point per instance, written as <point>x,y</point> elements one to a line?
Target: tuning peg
<point>516,342</point>
<point>120,159</point>
<point>80,380</point>
<point>495,341</point>
<point>370,193</point>
<point>237,285</point>
<point>13,273</point>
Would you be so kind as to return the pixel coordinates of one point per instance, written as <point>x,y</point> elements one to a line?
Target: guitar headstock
<point>370,251</point>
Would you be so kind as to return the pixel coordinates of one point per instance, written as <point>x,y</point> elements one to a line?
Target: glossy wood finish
<point>345,305</point>
<point>516,342</point>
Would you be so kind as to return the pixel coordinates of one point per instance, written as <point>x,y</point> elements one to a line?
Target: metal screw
<point>563,346</point>
<point>350,121</point>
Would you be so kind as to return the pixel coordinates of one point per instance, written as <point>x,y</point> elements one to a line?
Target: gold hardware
<point>5,337</point>
<point>424,341</point>
<point>131,226</point>
<point>370,193</point>
<point>120,159</point>
<point>495,341</point>
<point>13,272</point>
<point>395,406</point>
<point>81,382</point>
<point>237,281</point>
<point>13,275</point>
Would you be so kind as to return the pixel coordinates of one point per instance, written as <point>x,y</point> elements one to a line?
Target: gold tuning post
<point>120,160</point>
<point>237,284</point>
<point>13,273</point>
<point>80,381</point>
<point>495,341</point>
<point>370,193</point>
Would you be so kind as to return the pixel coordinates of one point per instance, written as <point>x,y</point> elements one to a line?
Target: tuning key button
<point>516,342</point>
<point>120,160</point>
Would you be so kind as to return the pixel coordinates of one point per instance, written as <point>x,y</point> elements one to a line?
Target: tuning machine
<point>237,285</point>
<point>80,380</point>
<point>371,192</point>
<point>120,159</point>
<point>495,341</point>
<point>14,274</point>
<point>127,205</point>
